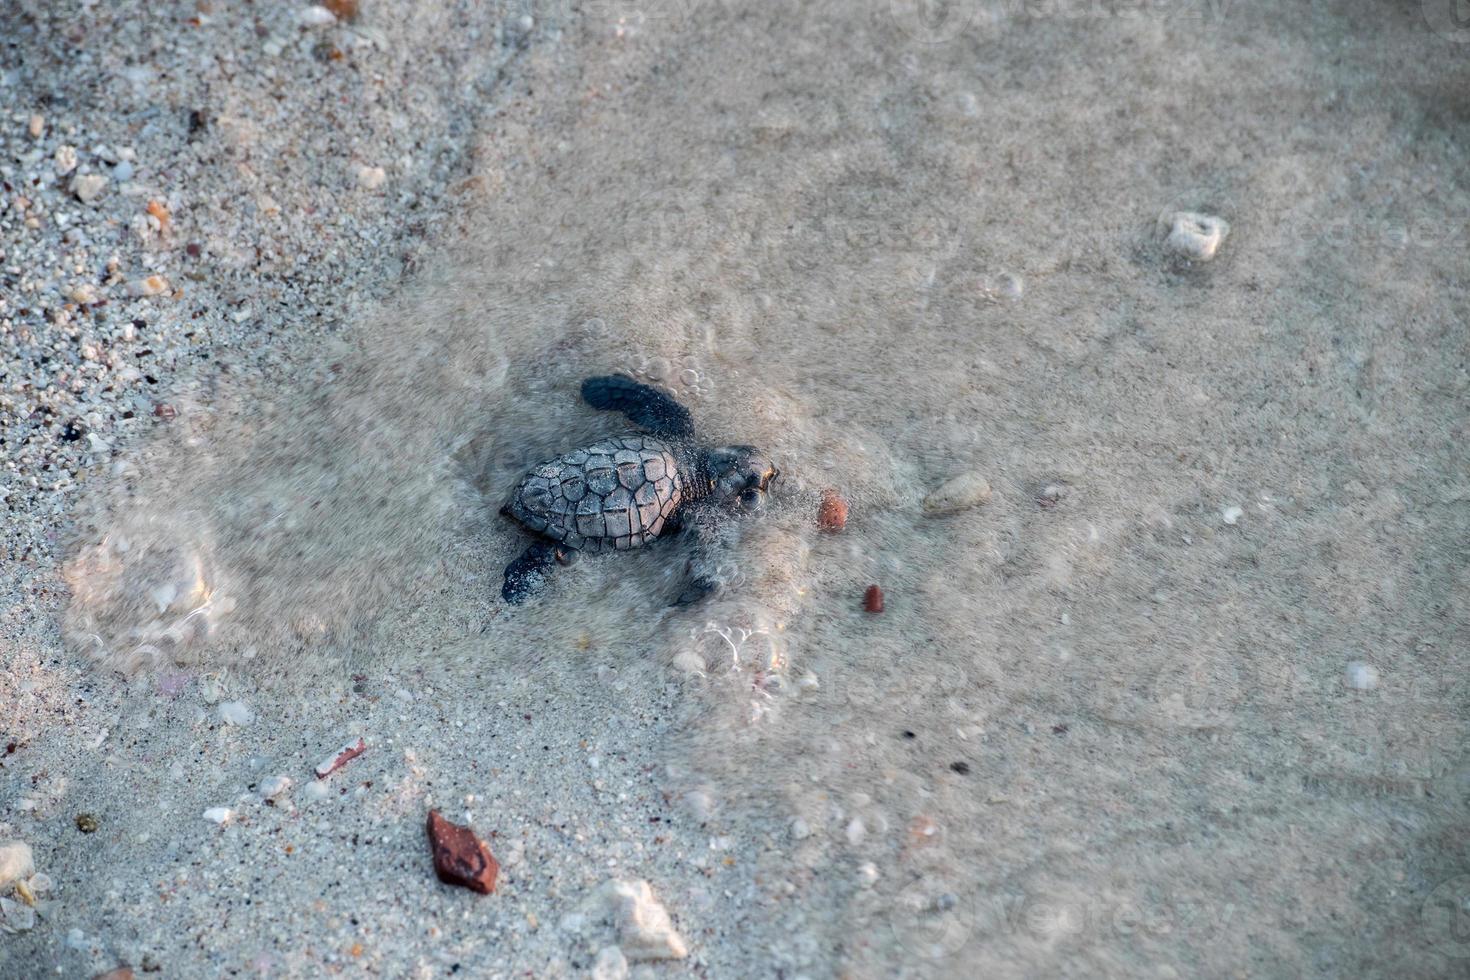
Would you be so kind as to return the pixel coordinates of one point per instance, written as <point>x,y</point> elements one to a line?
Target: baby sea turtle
<point>624,491</point>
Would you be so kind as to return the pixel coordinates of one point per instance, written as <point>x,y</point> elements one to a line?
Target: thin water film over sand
<point>1160,491</point>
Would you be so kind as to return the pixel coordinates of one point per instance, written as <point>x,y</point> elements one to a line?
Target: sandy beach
<point>1132,336</point>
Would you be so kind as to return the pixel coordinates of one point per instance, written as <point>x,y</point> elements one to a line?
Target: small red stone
<point>832,514</point>
<point>461,858</point>
<point>164,411</point>
<point>873,599</point>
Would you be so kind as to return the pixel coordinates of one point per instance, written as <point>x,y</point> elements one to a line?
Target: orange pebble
<point>160,211</point>
<point>832,514</point>
<point>873,599</point>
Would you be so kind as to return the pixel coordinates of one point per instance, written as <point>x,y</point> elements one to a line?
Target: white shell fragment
<point>1196,236</point>
<point>87,186</point>
<point>1360,676</point>
<point>645,931</point>
<point>274,786</point>
<point>960,493</point>
<point>16,862</point>
<point>236,713</point>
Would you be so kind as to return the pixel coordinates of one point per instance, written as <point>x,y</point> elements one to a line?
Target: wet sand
<point>1184,696</point>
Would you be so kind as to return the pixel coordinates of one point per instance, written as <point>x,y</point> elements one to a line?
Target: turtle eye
<point>750,498</point>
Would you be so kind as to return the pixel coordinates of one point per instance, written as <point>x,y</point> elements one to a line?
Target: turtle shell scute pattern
<point>616,494</point>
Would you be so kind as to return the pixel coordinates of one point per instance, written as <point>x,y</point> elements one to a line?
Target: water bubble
<point>659,369</point>
<point>689,377</point>
<point>1005,287</point>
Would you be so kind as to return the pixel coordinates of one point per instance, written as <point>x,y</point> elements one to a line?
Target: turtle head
<point>739,476</point>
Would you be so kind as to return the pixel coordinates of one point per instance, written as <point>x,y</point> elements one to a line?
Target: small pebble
<point>868,874</point>
<point>236,713</point>
<point>16,862</point>
<point>461,858</point>
<point>65,160</point>
<point>151,286</point>
<point>86,823</point>
<point>1196,236</point>
<point>15,916</point>
<point>371,178</point>
<point>832,513</point>
<point>959,493</point>
<point>610,964</point>
<point>1360,676</point>
<point>273,787</point>
<point>37,126</point>
<point>123,172</point>
<point>1231,515</point>
<point>87,186</point>
<point>316,16</point>
<point>343,9</point>
<point>159,212</point>
<point>800,829</point>
<point>873,599</point>
<point>219,814</point>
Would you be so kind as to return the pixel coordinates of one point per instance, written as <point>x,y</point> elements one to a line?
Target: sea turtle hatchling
<point>624,491</point>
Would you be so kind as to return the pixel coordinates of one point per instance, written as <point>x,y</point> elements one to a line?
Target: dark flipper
<point>527,574</point>
<point>696,589</point>
<point>703,579</point>
<point>645,406</point>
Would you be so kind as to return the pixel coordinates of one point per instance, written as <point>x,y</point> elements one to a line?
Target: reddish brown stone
<point>832,514</point>
<point>165,411</point>
<point>120,973</point>
<point>461,858</point>
<point>873,599</point>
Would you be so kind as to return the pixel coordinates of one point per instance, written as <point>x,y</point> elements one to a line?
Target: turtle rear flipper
<point>643,405</point>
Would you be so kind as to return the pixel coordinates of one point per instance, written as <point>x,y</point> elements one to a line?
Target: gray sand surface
<point>1186,696</point>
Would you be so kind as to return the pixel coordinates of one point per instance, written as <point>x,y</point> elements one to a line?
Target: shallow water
<point>1096,725</point>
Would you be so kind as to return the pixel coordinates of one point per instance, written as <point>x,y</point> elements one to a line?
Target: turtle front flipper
<point>703,579</point>
<point>643,405</point>
<point>526,576</point>
<point>695,589</point>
